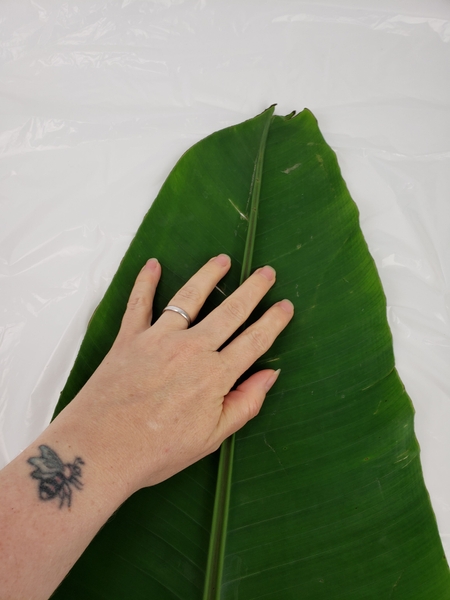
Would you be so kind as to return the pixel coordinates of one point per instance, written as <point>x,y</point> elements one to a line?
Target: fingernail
<point>223,260</point>
<point>268,273</point>
<point>271,380</point>
<point>151,264</point>
<point>287,306</point>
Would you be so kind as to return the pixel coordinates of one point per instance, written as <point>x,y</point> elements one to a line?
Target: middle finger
<point>224,320</point>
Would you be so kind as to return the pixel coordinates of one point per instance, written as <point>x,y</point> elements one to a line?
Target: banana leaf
<point>322,495</point>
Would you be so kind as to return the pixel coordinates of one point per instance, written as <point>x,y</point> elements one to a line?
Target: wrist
<point>77,434</point>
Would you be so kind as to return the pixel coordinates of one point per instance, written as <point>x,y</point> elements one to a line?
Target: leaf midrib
<point>213,575</point>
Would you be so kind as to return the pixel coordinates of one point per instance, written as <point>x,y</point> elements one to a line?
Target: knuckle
<point>235,309</point>
<point>259,340</point>
<point>189,292</point>
<point>255,282</point>
<point>137,301</point>
<point>140,297</point>
<point>253,409</point>
<point>250,410</point>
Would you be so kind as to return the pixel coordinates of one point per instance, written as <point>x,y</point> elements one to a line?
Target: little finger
<point>244,403</point>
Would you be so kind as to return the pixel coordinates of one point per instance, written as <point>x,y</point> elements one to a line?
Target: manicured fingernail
<point>223,260</point>
<point>151,264</point>
<point>268,273</point>
<point>271,380</point>
<point>287,306</point>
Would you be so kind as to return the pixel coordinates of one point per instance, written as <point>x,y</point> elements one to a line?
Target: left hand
<point>161,398</point>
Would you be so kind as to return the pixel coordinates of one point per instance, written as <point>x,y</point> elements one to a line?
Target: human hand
<point>162,394</point>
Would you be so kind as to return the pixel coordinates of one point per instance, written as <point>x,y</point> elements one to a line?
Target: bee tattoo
<point>56,478</point>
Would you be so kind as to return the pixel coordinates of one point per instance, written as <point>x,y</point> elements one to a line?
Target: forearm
<point>46,523</point>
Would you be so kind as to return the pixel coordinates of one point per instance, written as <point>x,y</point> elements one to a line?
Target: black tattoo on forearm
<point>56,478</point>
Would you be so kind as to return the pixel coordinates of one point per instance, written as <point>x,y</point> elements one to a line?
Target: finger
<point>244,403</point>
<point>252,343</point>
<point>223,321</point>
<point>191,297</point>
<point>138,314</point>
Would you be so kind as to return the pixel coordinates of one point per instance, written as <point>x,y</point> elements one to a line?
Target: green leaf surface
<point>321,496</point>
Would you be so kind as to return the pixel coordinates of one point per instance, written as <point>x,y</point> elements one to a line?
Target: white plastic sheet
<point>98,99</point>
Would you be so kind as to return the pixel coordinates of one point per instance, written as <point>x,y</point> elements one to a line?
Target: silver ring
<point>180,311</point>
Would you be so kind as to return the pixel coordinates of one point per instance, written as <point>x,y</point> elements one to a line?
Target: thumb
<point>244,403</point>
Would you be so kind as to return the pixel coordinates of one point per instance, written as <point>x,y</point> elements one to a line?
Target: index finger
<point>224,320</point>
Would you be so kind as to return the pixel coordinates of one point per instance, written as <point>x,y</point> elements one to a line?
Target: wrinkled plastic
<point>99,99</point>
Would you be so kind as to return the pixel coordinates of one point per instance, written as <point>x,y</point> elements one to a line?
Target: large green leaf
<point>327,498</point>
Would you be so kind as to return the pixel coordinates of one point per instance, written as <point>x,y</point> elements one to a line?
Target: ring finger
<point>191,297</point>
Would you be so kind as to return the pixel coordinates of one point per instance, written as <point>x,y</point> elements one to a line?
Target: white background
<point>98,99</point>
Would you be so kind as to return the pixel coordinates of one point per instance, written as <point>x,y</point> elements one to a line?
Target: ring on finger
<point>180,311</point>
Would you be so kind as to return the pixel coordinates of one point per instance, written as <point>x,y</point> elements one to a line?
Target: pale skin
<point>159,402</point>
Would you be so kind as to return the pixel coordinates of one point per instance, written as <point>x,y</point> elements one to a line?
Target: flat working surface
<point>98,99</point>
